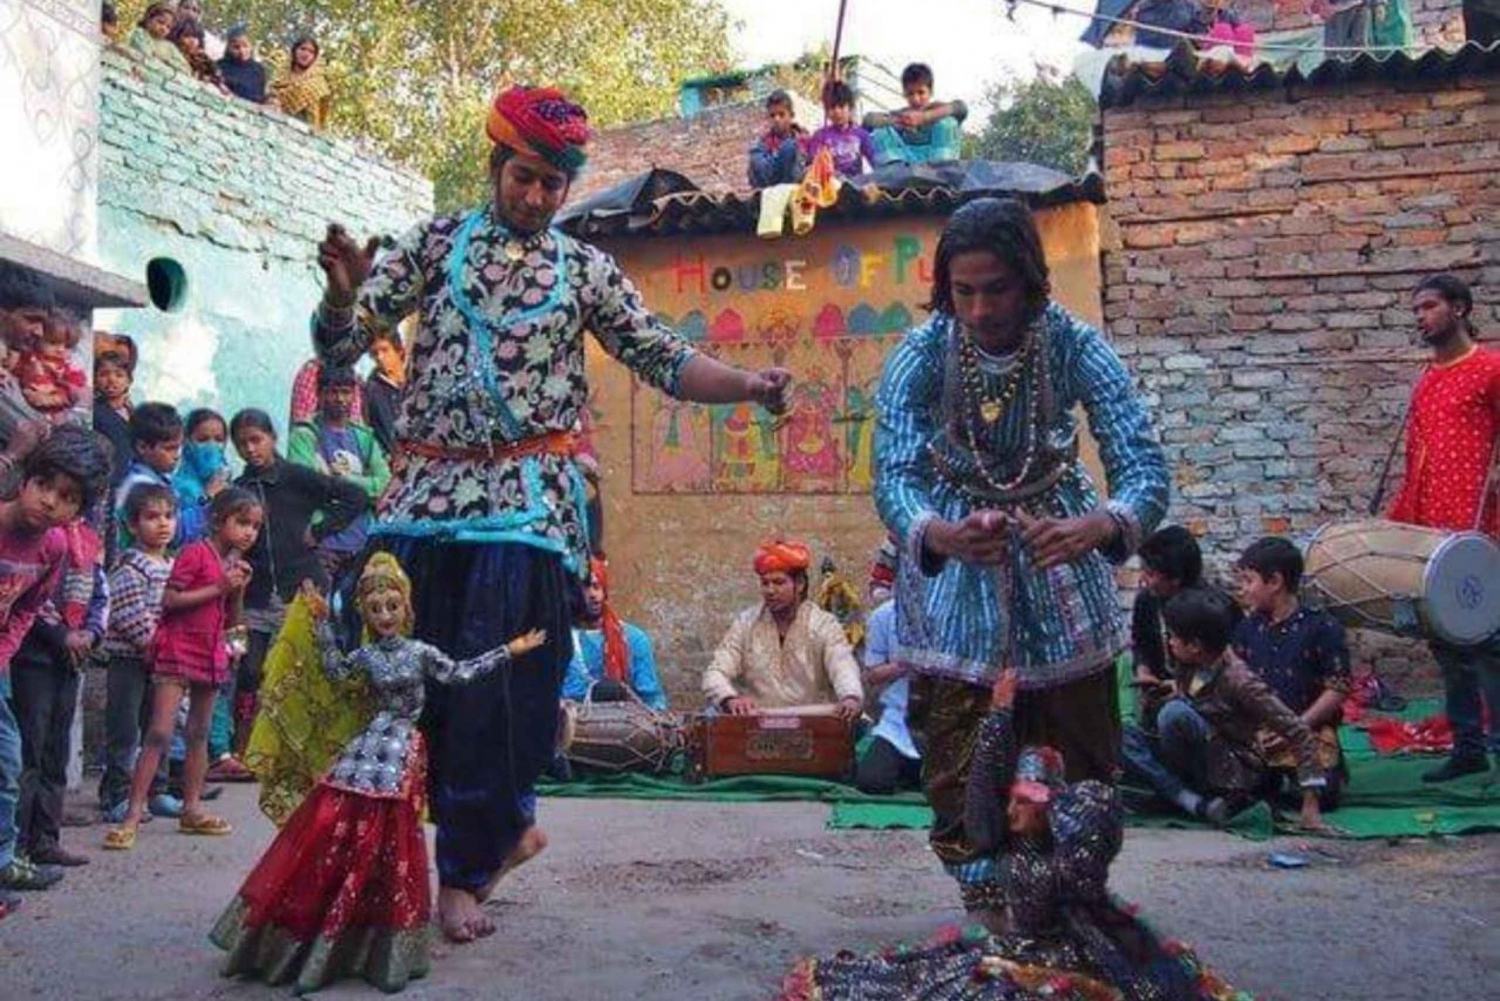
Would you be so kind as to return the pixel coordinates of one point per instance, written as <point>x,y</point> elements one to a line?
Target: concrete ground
<point>713,902</point>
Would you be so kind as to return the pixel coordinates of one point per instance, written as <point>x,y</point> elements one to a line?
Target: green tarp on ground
<point>1385,798</point>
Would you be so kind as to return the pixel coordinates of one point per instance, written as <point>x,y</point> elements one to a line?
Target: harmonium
<point>794,740</point>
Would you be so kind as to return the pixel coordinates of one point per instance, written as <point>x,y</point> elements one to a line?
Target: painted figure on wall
<point>745,459</point>
<point>812,458</point>
<point>678,461</point>
<point>859,434</point>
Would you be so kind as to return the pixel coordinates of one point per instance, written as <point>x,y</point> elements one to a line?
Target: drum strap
<point>1491,486</point>
<point>1385,471</point>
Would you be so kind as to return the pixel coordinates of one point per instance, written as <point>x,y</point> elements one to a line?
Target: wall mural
<point>830,315</point>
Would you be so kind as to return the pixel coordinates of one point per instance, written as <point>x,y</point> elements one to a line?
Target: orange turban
<point>541,122</point>
<point>782,556</point>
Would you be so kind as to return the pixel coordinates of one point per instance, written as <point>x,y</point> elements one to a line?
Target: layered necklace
<point>980,410</point>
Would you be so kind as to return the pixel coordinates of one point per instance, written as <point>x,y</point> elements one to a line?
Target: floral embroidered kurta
<point>1450,444</point>
<point>964,621</point>
<point>497,359</point>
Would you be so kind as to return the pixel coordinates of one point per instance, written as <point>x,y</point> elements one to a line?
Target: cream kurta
<point>814,666</point>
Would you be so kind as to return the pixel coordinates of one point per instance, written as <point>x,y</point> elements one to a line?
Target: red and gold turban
<point>782,556</point>
<point>541,122</point>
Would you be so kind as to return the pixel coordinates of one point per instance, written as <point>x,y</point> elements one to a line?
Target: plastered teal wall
<point>239,197</point>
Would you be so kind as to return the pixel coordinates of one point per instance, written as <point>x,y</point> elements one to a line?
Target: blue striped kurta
<point>963,621</point>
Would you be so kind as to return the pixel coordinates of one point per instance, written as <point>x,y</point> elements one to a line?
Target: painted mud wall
<point>690,491</point>
<point>238,198</point>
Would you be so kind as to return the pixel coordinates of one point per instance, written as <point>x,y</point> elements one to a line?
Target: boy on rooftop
<point>848,144</point>
<point>925,131</point>
<point>777,157</point>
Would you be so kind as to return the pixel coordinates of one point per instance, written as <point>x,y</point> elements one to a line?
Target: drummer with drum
<point>610,654</point>
<point>1450,484</point>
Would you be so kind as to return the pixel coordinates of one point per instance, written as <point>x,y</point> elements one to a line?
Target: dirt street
<point>705,901</point>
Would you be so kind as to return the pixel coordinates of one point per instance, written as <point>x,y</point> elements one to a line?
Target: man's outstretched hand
<point>769,387</point>
<point>346,265</point>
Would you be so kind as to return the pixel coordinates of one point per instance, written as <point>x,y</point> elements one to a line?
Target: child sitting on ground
<point>1208,759</point>
<point>847,143</point>
<point>925,131</point>
<point>1299,652</point>
<point>777,157</point>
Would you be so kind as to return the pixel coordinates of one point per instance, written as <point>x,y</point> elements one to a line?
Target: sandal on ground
<point>229,769</point>
<point>204,823</point>
<point>119,839</point>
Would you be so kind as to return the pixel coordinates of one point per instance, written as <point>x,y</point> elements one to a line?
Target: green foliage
<point>416,76</point>
<point>1048,120</point>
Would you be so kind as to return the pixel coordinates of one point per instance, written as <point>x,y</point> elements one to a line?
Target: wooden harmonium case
<point>794,740</point>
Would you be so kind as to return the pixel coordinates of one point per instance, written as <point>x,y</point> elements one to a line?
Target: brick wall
<point>711,148</point>
<point>1258,285</point>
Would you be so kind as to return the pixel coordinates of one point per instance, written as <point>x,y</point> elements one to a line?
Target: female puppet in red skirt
<point>343,890</point>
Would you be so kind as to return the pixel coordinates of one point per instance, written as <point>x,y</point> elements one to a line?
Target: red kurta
<point>1449,445</point>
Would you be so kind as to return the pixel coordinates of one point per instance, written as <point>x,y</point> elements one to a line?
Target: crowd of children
<point>925,131</point>
<point>174,33</point>
<point>1239,701</point>
<point>133,547</point>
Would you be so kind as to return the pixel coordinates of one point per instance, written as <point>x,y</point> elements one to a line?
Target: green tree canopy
<point>1048,119</point>
<point>416,76</point>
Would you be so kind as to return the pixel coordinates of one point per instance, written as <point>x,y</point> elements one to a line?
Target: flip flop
<point>206,824</point>
<point>120,839</point>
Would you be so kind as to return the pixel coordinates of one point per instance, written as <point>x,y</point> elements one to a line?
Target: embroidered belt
<point>564,443</point>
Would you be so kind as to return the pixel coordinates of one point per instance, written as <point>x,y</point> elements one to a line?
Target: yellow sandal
<point>120,839</point>
<point>205,823</point>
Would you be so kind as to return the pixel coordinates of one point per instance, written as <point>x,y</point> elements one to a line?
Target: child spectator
<point>848,144</point>
<point>51,381</point>
<point>188,36</point>
<point>242,73</point>
<point>156,442</point>
<point>925,131</point>
<point>203,469</point>
<point>202,600</point>
<point>1170,562</point>
<point>382,390</point>
<point>60,471</point>
<point>109,21</point>
<point>302,90</point>
<point>1299,652</point>
<point>45,677</point>
<point>285,554</point>
<point>150,35</point>
<point>135,591</point>
<point>114,370</point>
<point>304,405</point>
<point>1210,762</point>
<point>777,157</point>
<point>331,444</point>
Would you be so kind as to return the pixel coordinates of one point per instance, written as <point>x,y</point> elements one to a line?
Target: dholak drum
<point>618,736</point>
<point>1406,580</point>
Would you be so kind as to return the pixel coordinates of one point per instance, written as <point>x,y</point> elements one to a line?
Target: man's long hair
<point>1003,227</point>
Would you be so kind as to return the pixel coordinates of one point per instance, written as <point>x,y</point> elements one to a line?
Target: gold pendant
<point>990,411</point>
<point>514,250</point>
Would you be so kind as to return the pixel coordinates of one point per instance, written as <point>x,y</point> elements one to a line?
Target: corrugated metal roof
<point>654,203</point>
<point>1186,72</point>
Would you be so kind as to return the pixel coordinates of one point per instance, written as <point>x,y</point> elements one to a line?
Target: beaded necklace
<point>976,408</point>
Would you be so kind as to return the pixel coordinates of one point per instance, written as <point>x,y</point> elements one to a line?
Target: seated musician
<point>1299,652</point>
<point>608,652</point>
<point>1209,758</point>
<point>785,651</point>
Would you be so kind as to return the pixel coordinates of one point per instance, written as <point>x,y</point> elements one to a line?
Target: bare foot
<point>532,844</point>
<point>459,915</point>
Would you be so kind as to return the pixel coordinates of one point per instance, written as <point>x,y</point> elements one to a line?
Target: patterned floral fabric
<point>498,358</point>
<point>1069,939</point>
<point>962,621</point>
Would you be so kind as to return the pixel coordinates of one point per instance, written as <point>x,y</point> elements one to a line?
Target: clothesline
<point>1058,9</point>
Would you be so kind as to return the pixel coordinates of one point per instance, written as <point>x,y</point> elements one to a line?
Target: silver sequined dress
<point>375,761</point>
